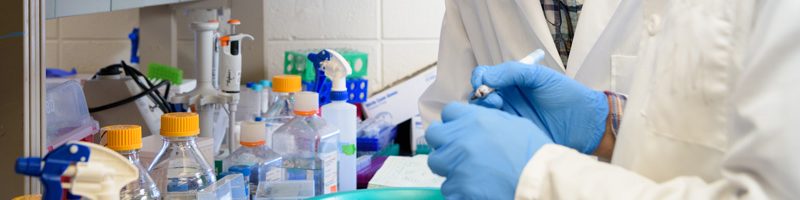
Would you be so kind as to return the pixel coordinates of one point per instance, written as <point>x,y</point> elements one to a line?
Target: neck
<point>132,155</point>
<point>305,113</point>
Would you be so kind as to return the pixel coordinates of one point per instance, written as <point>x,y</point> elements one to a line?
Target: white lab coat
<point>713,112</point>
<point>489,32</point>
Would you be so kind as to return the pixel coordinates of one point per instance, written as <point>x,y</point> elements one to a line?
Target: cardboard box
<point>401,100</point>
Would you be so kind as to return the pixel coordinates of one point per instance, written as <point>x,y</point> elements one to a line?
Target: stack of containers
<point>67,114</point>
<point>375,134</point>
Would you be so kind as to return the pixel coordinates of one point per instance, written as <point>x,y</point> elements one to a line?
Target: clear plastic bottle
<point>127,140</point>
<point>265,100</point>
<point>180,166</point>
<point>309,146</point>
<point>280,110</point>
<point>250,102</point>
<point>342,115</point>
<point>264,163</point>
<point>247,174</point>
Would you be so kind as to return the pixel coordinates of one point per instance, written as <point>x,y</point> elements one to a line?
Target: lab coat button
<point>653,25</point>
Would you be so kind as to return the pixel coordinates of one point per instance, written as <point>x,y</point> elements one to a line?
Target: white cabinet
<point>127,4</point>
<point>65,8</point>
<point>50,9</point>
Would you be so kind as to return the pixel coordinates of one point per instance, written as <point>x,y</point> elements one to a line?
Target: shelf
<point>65,8</point>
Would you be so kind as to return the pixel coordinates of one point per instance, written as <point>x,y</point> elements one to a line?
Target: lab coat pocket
<point>686,98</point>
<point>622,73</point>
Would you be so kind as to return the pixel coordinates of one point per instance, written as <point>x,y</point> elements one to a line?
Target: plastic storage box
<point>386,194</point>
<point>229,187</point>
<point>285,190</point>
<point>371,144</point>
<point>66,114</point>
<point>375,134</point>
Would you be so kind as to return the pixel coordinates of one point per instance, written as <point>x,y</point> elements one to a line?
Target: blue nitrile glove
<point>572,114</point>
<point>481,151</point>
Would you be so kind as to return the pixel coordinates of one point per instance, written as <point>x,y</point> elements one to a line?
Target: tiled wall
<point>89,42</point>
<point>401,36</point>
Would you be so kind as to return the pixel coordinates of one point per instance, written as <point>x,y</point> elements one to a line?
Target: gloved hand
<point>481,151</point>
<point>571,114</point>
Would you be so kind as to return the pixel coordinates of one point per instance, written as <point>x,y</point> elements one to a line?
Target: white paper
<point>406,172</point>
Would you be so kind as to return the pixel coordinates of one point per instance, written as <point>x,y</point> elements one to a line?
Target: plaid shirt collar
<point>562,18</point>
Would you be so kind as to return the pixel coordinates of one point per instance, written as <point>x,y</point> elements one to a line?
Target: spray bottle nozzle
<point>337,69</point>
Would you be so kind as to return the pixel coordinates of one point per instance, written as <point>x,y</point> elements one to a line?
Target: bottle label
<point>298,174</point>
<point>330,165</point>
<point>274,174</point>
<point>348,149</point>
<point>218,166</point>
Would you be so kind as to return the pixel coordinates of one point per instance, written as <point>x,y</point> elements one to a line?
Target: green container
<point>165,72</point>
<point>386,194</point>
<point>296,63</point>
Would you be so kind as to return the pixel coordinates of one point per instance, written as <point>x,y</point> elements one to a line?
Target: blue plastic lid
<point>259,119</point>
<point>58,73</point>
<point>257,87</point>
<point>265,83</point>
<point>250,85</point>
<point>242,169</point>
<point>31,166</point>
<point>339,95</point>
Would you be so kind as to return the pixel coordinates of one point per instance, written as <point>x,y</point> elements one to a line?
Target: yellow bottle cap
<point>286,83</point>
<point>123,137</point>
<point>29,197</point>
<point>180,124</point>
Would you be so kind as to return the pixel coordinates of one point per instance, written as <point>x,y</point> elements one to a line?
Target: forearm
<point>605,149</point>
<point>616,103</point>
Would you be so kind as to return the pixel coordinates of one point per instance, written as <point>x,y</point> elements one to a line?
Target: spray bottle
<point>95,172</point>
<point>342,115</point>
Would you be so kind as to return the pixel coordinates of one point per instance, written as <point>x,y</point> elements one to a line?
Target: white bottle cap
<point>253,133</point>
<point>306,102</point>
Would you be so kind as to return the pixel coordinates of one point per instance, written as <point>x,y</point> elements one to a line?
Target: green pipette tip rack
<point>165,72</point>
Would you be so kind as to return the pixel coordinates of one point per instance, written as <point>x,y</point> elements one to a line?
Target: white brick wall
<point>412,19</point>
<point>400,36</point>
<point>89,42</point>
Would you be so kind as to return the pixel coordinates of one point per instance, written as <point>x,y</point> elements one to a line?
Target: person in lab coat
<point>489,32</point>
<point>712,113</point>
